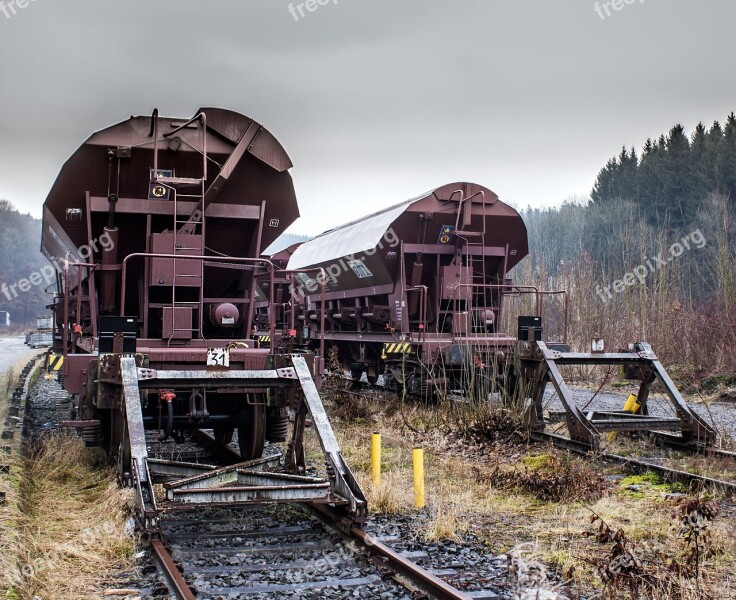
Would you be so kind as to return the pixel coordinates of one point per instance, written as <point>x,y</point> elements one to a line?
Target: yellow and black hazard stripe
<point>394,348</point>
<point>56,361</point>
<point>262,341</point>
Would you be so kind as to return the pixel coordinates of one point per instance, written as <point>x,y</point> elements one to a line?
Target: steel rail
<point>175,578</point>
<point>637,465</point>
<point>423,579</point>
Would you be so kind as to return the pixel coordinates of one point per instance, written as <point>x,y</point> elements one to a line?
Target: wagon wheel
<point>223,435</point>
<point>356,372</point>
<point>252,430</point>
<point>411,379</point>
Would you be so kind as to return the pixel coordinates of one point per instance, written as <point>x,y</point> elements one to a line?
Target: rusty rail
<point>636,465</point>
<point>174,577</point>
<point>428,583</point>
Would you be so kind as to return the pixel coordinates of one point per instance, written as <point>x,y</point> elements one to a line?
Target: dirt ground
<point>583,520</point>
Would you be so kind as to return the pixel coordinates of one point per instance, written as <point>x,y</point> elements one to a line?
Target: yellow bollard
<point>376,459</point>
<point>630,401</point>
<point>418,456</point>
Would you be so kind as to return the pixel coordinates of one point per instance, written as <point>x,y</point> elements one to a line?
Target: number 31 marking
<point>218,357</point>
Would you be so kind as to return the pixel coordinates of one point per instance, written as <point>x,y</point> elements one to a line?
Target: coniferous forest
<point>649,255</point>
<point>20,243</point>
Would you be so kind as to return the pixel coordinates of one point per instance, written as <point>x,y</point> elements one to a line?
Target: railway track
<point>642,465</point>
<point>284,550</point>
<point>291,550</point>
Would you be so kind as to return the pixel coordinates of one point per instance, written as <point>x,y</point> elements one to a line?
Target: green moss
<point>650,478</point>
<point>558,558</point>
<point>34,378</point>
<point>652,481</point>
<point>536,462</point>
<point>631,494</point>
<point>672,488</point>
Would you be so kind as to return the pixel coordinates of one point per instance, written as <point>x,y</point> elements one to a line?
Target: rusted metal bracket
<point>343,481</point>
<point>283,377</point>
<point>168,470</point>
<point>586,428</point>
<point>145,500</point>
<point>256,481</point>
<point>247,483</point>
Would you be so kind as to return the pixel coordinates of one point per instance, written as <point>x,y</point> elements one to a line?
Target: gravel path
<point>721,414</point>
<point>13,350</point>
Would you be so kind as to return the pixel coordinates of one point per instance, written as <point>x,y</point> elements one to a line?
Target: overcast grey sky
<point>375,100</point>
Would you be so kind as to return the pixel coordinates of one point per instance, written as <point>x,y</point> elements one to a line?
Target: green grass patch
<point>650,477</point>
<point>650,480</point>
<point>536,462</point>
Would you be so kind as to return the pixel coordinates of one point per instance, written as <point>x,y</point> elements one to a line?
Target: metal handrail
<point>522,289</point>
<point>65,325</point>
<point>508,289</point>
<point>221,259</point>
<point>322,302</point>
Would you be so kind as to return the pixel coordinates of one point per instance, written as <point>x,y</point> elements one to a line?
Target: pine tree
<point>702,183</point>
<point>678,183</point>
<point>714,144</point>
<point>728,164</point>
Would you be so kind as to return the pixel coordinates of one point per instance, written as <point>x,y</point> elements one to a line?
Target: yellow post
<point>631,400</point>
<point>418,456</point>
<point>376,459</point>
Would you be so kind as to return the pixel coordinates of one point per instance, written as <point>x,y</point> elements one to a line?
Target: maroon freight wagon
<point>156,227</point>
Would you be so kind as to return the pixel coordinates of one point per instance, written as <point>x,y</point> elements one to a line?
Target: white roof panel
<point>346,240</point>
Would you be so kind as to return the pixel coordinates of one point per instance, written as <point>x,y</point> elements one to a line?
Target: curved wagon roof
<point>505,225</point>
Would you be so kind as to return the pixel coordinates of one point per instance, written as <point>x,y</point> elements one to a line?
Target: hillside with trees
<point>20,242</point>
<point>650,255</point>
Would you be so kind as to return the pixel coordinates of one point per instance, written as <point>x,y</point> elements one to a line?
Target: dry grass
<point>11,542</point>
<point>11,517</point>
<point>71,516</point>
<point>463,496</point>
<point>554,476</point>
<point>393,496</point>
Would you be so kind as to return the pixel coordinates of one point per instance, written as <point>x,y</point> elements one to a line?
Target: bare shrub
<point>672,570</point>
<point>557,477</point>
